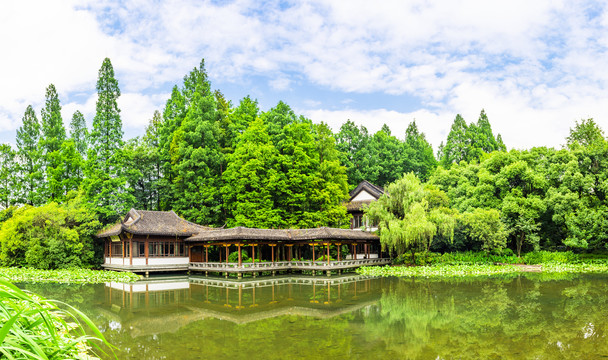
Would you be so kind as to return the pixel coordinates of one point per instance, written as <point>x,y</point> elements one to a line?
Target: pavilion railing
<point>286,265</point>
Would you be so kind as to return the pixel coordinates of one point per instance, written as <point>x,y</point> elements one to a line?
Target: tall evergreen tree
<point>196,156</point>
<point>387,155</point>
<point>79,133</point>
<point>251,180</point>
<point>456,147</point>
<point>105,182</point>
<point>8,174</point>
<point>51,141</point>
<point>419,157</point>
<point>353,144</point>
<point>30,160</point>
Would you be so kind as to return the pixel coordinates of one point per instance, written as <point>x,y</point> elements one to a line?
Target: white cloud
<point>535,66</point>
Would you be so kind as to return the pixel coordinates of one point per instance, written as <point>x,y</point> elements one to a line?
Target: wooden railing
<point>286,265</point>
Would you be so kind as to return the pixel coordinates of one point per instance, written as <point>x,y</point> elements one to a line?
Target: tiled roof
<point>162,223</point>
<point>375,191</point>
<point>243,233</point>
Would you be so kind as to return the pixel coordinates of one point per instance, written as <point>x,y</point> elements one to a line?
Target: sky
<point>534,66</point>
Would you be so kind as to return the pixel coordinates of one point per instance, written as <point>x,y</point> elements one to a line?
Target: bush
<point>51,236</point>
<point>540,257</point>
<point>234,256</point>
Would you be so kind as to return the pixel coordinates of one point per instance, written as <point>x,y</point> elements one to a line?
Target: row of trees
<point>530,199</point>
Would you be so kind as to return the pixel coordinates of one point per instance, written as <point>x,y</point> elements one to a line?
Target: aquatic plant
<point>36,328</point>
<point>65,275</point>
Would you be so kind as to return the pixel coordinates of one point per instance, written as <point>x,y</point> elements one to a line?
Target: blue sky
<point>535,66</point>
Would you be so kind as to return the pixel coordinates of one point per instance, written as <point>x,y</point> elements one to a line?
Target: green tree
<point>585,133</point>
<point>52,137</point>
<point>353,144</point>
<point>196,154</point>
<point>406,221</point>
<point>79,133</point>
<point>105,183</point>
<point>456,147</point>
<point>251,180</point>
<point>485,226</point>
<point>418,153</point>
<point>387,153</point>
<point>8,175</point>
<point>144,166</point>
<point>51,236</point>
<point>29,157</point>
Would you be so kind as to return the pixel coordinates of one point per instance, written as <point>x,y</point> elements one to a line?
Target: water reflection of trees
<point>509,318</point>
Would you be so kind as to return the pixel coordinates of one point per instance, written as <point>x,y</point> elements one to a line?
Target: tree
<point>51,140</point>
<point>485,226</point>
<point>143,172</point>
<point>585,133</point>
<point>418,153</point>
<point>79,133</point>
<point>387,153</point>
<point>355,155</point>
<point>8,175</point>
<point>51,236</point>
<point>455,149</point>
<point>30,160</point>
<point>251,180</point>
<point>406,221</point>
<point>196,154</point>
<point>105,183</point>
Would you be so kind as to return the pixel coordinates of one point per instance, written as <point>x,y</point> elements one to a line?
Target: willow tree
<point>408,219</point>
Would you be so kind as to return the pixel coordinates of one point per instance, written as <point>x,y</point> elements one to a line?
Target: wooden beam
<point>147,250</point>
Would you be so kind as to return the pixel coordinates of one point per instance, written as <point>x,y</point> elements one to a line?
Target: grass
<point>67,276</point>
<point>36,328</point>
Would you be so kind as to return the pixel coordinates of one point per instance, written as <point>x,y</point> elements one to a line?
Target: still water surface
<point>533,316</point>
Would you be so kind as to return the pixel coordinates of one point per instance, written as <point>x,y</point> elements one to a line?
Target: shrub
<point>540,257</point>
<point>51,236</point>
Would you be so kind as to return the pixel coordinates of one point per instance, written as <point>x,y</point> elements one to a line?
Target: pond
<point>350,316</point>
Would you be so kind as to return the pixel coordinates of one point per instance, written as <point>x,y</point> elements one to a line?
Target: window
<point>166,248</point>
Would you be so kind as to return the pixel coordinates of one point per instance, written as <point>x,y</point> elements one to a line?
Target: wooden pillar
<point>253,254</point>
<point>339,245</point>
<point>123,254</point>
<point>327,244</point>
<point>313,252</point>
<point>355,251</point>
<point>110,251</point>
<point>288,252</point>
<point>147,250</point>
<point>206,253</point>
<point>240,258</point>
<point>272,252</point>
<point>299,251</point>
<point>227,246</point>
<point>220,252</point>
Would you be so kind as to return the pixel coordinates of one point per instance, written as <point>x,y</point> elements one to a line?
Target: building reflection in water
<point>159,305</point>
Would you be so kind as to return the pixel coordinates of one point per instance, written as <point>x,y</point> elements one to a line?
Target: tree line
<point>218,163</point>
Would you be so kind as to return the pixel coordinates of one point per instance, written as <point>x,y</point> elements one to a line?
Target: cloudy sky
<point>534,66</point>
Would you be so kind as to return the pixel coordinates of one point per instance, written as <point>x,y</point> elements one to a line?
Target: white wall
<point>151,261</point>
<point>363,195</point>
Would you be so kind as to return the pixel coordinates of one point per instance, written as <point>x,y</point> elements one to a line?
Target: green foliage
<point>418,153</point>
<point>29,157</point>
<point>233,257</point>
<point>469,143</point>
<point>51,236</point>
<point>196,155</point>
<point>104,184</point>
<point>66,276</point>
<point>486,227</point>
<point>586,133</point>
<point>8,176</point>
<point>405,220</point>
<point>543,257</point>
<point>36,328</point>
<point>51,143</point>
